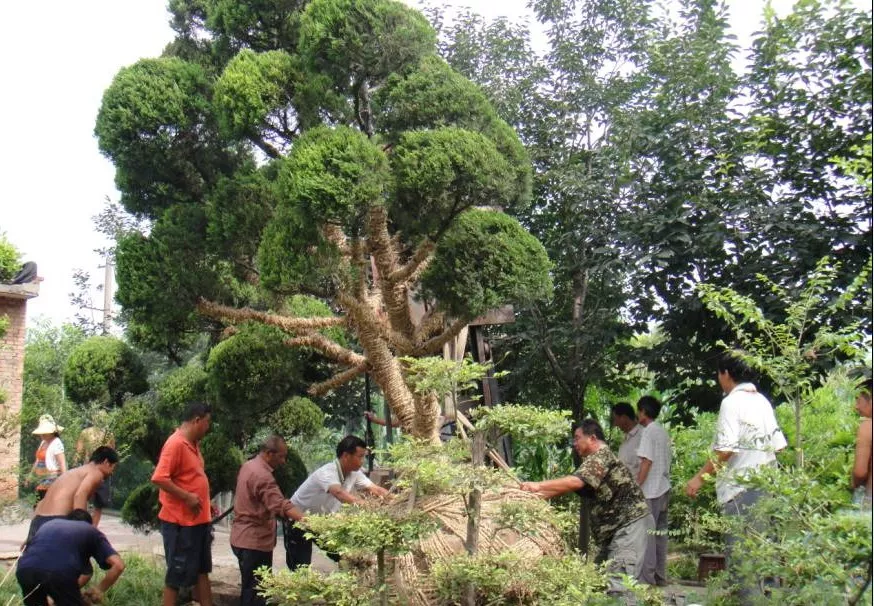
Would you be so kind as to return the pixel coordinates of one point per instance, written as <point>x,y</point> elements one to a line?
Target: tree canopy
<point>281,150</point>
<point>660,164</point>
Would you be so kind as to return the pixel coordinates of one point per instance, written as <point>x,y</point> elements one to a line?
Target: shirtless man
<point>73,489</point>
<point>90,439</point>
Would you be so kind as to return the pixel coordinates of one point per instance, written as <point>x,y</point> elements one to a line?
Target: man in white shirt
<point>622,415</point>
<point>655,454</point>
<point>324,491</point>
<point>747,438</point>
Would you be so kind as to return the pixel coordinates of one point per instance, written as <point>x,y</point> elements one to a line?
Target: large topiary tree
<point>325,150</point>
<point>103,370</point>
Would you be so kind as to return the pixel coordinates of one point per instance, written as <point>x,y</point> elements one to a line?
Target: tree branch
<point>430,324</point>
<point>268,149</point>
<point>434,344</point>
<point>550,355</point>
<point>394,295</point>
<point>236,315</point>
<point>415,265</point>
<point>328,348</point>
<point>341,378</point>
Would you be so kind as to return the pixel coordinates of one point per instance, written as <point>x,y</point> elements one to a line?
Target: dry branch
<point>415,265</point>
<point>434,344</point>
<point>328,348</point>
<point>341,378</point>
<point>236,315</point>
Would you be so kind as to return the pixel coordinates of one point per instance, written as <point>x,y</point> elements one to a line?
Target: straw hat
<point>47,425</point>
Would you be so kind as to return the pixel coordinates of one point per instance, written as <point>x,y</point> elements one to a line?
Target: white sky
<point>56,60</point>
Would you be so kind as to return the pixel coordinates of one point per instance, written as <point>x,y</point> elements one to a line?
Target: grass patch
<point>141,584</point>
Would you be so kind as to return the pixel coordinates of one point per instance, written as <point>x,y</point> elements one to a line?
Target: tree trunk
<point>799,453</point>
<point>380,577</point>
<point>474,511</point>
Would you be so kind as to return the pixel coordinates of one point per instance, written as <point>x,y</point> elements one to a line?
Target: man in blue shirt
<point>57,562</point>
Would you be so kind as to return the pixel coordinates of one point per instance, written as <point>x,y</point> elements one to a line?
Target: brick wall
<point>11,371</point>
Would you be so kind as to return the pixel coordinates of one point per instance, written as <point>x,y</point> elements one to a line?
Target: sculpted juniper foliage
<point>321,150</point>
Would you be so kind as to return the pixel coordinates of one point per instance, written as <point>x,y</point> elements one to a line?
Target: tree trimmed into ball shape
<point>375,151</point>
<point>103,370</point>
<point>355,41</point>
<point>297,417</point>
<point>250,374</point>
<point>440,173</point>
<point>252,87</point>
<point>335,175</point>
<point>485,259</point>
<point>151,125</point>
<point>434,96</point>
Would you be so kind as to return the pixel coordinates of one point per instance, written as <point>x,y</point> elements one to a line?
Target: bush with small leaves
<point>104,370</point>
<point>140,510</point>
<point>297,417</point>
<point>308,586</point>
<point>10,259</point>
<point>511,579</point>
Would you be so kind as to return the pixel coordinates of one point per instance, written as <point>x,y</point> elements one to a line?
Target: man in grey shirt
<point>655,456</point>
<point>622,415</point>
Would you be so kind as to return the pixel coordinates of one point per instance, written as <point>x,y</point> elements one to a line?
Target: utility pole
<point>107,294</point>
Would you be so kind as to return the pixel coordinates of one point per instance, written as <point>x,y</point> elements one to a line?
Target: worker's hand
<point>193,502</point>
<point>693,486</point>
<point>93,595</point>
<point>530,486</point>
<point>368,414</point>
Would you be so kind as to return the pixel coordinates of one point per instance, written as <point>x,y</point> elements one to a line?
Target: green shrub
<point>805,536</point>
<point>307,586</point>
<point>10,259</point>
<point>512,579</point>
<point>104,370</point>
<point>297,417</point>
<point>140,429</point>
<point>140,510</point>
<point>222,460</point>
<point>179,388</point>
<point>291,475</point>
<point>130,474</point>
<point>250,375</point>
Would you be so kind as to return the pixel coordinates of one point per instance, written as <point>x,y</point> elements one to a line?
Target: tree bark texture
<point>377,310</point>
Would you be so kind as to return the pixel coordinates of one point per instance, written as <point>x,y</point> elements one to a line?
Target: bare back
<point>71,490</point>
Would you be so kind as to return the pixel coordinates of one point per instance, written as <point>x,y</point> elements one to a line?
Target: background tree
<point>47,348</point>
<point>682,168</point>
<point>566,104</point>
<point>325,151</point>
<point>104,370</point>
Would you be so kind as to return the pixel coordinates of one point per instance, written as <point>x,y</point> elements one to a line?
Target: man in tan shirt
<point>863,461</point>
<point>257,503</point>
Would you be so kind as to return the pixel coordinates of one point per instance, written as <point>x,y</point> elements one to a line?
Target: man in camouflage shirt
<point>620,516</point>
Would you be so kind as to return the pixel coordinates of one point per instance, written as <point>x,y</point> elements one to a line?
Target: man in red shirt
<point>257,502</point>
<point>185,511</point>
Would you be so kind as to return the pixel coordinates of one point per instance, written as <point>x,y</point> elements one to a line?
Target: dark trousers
<point>251,560</point>
<point>746,589</point>
<point>298,548</point>
<point>37,585</point>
